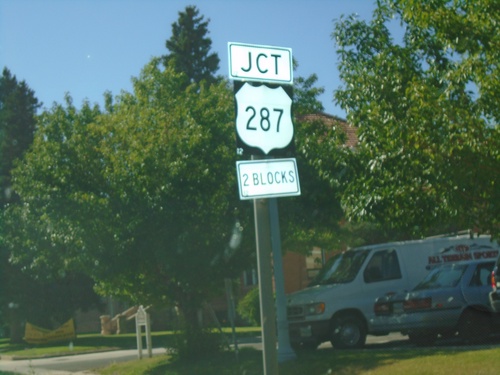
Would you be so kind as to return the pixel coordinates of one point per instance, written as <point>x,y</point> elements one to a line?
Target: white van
<point>338,306</point>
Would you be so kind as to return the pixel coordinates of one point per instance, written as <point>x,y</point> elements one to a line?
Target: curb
<point>54,355</point>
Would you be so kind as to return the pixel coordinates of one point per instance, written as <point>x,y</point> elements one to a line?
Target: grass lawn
<point>322,362</point>
<point>96,342</point>
<point>441,360</point>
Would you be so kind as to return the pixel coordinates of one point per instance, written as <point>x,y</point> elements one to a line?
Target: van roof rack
<point>469,232</point>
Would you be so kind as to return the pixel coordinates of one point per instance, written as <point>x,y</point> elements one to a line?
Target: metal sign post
<point>267,310</point>
<point>285,350</point>
<point>264,129</point>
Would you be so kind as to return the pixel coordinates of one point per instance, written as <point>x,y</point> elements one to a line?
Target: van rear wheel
<point>348,332</point>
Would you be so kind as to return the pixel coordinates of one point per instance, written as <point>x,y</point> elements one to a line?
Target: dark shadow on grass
<point>320,362</point>
<point>249,362</point>
<point>351,362</point>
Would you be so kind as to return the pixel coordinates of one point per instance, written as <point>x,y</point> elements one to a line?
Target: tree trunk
<point>16,331</point>
<point>196,341</point>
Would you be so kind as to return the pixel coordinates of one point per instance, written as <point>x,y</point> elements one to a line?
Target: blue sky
<point>85,48</point>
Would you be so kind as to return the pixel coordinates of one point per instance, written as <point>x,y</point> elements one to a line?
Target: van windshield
<point>342,268</point>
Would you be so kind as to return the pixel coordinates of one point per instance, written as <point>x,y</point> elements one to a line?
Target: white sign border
<point>268,195</point>
<point>275,81</point>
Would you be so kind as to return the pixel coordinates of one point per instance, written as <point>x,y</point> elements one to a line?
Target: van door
<point>382,275</point>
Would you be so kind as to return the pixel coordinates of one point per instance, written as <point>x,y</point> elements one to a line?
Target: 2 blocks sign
<point>271,178</point>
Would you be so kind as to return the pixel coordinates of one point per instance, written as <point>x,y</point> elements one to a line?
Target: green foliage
<point>189,47</point>
<point>17,110</point>
<point>427,112</point>
<point>195,344</point>
<point>45,302</point>
<point>48,303</point>
<point>305,96</point>
<point>324,162</point>
<point>249,307</point>
<point>141,198</point>
<point>43,235</point>
<point>18,106</point>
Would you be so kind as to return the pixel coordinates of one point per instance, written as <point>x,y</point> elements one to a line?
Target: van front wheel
<point>348,332</point>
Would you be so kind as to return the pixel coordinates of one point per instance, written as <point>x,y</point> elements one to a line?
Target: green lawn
<point>323,362</point>
<point>96,342</point>
<point>441,360</point>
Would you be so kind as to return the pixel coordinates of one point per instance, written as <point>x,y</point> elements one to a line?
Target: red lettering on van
<point>461,248</point>
<point>485,254</point>
<point>457,257</point>
<point>434,260</point>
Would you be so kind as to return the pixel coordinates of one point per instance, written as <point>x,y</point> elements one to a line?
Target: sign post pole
<point>267,311</point>
<point>264,124</point>
<point>285,351</point>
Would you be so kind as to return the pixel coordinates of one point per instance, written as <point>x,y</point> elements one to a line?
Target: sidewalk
<point>80,364</point>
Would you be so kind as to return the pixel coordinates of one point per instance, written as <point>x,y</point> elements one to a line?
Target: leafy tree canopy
<point>189,47</point>
<point>37,300</point>
<point>141,197</point>
<point>18,106</point>
<point>427,108</point>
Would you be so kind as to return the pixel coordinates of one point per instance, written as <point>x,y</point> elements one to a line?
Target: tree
<point>326,163</point>
<point>141,198</point>
<point>18,106</point>
<point>38,300</point>
<point>427,112</point>
<point>305,95</point>
<point>189,47</point>
<point>313,218</point>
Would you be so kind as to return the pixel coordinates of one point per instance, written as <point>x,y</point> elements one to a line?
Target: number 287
<point>263,119</point>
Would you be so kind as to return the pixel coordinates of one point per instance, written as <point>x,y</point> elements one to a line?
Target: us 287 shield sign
<point>264,119</point>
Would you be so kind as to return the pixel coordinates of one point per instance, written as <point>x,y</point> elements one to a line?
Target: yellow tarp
<point>37,335</point>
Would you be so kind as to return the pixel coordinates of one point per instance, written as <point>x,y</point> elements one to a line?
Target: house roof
<point>330,120</point>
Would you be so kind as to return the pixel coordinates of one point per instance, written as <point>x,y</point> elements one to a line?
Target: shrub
<point>249,307</point>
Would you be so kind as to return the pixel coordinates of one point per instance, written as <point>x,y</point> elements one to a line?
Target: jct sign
<point>260,63</point>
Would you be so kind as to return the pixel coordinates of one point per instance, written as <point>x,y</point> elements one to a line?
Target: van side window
<point>384,265</point>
